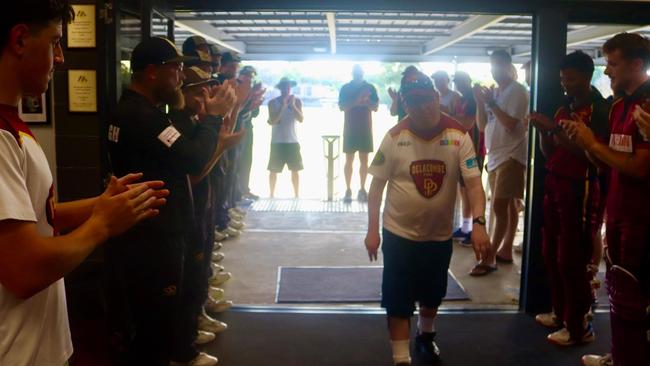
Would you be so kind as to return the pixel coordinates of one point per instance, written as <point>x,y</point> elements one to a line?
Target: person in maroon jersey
<point>628,201</point>
<point>572,215</point>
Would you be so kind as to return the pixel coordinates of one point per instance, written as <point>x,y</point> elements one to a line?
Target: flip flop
<point>503,260</point>
<point>482,269</point>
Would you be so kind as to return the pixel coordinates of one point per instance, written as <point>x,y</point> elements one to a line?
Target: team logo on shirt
<point>428,176</point>
<point>622,143</point>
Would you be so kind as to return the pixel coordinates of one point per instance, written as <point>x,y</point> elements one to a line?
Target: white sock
<point>467,225</point>
<point>401,351</point>
<point>426,325</point>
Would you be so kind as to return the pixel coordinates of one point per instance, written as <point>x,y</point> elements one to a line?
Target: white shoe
<point>231,232</point>
<point>217,246</point>
<point>203,359</point>
<point>219,278</point>
<point>217,306</point>
<point>518,248</point>
<point>208,324</point>
<point>235,224</point>
<point>549,320</point>
<point>216,268</point>
<point>204,337</point>
<point>234,216</point>
<point>237,211</point>
<point>217,257</point>
<point>563,338</point>
<point>215,293</point>
<point>596,360</point>
<point>220,236</point>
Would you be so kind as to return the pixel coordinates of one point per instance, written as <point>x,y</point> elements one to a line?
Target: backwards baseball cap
<point>194,76</point>
<point>419,90</point>
<point>227,57</point>
<point>155,51</point>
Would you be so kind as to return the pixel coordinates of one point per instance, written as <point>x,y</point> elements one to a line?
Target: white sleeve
<point>15,202</point>
<point>517,104</point>
<point>467,158</point>
<point>381,166</point>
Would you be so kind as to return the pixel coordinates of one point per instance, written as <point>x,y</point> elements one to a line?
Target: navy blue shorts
<point>413,272</point>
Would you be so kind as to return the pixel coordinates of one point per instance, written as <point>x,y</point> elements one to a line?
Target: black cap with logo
<point>198,47</point>
<point>156,51</point>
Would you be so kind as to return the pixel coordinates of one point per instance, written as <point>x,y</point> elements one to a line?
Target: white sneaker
<point>549,320</point>
<point>217,246</point>
<point>235,224</point>
<point>208,324</point>
<point>203,359</point>
<point>220,236</point>
<point>217,257</point>
<point>217,306</point>
<point>234,216</point>
<point>215,293</point>
<point>216,268</point>
<point>219,278</point>
<point>204,337</point>
<point>563,338</point>
<point>596,360</point>
<point>232,232</point>
<point>237,211</point>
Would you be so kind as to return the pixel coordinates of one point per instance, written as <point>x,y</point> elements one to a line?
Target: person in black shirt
<point>149,258</point>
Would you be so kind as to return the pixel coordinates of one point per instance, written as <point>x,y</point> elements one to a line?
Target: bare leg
<point>505,251</point>
<point>430,313</point>
<point>500,226</point>
<point>399,328</point>
<point>295,179</point>
<point>273,178</point>
<point>347,170</point>
<point>363,169</point>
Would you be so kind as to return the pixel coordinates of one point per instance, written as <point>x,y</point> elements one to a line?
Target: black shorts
<point>413,272</point>
<point>285,153</point>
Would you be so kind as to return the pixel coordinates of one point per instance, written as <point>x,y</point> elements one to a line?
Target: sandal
<point>502,260</point>
<point>482,269</point>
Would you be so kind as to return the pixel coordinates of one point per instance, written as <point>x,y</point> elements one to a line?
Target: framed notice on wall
<point>35,109</point>
<point>81,32</point>
<point>82,90</point>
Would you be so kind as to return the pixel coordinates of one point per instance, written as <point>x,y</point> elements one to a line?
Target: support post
<point>549,46</point>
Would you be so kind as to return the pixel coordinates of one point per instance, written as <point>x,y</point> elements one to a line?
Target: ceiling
<point>388,36</point>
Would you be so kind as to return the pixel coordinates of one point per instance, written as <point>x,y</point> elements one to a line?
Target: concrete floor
<point>274,239</point>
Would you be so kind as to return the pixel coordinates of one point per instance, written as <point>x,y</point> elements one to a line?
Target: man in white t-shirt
<point>34,327</point>
<point>501,114</point>
<point>285,112</point>
<point>422,160</point>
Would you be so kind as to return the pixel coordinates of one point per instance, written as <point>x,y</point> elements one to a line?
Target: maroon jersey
<point>567,164</point>
<point>629,198</point>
